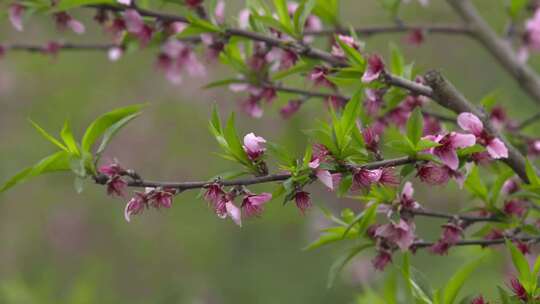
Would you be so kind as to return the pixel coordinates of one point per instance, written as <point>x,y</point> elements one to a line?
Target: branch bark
<point>500,48</point>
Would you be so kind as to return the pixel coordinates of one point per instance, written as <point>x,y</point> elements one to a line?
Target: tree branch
<point>500,48</point>
<point>450,29</point>
<point>483,243</point>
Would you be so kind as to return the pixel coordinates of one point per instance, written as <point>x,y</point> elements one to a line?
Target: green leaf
<point>329,235</point>
<point>415,126</point>
<point>474,184</point>
<point>202,24</point>
<point>453,286</point>
<point>522,266</point>
<point>233,142</point>
<point>223,82</point>
<point>48,136</point>
<point>111,132</point>
<point>363,219</point>
<point>515,7</point>
<point>69,140</point>
<point>327,10</point>
<point>58,161</point>
<point>302,12</point>
<point>351,53</point>
<point>397,64</point>
<point>531,174</point>
<point>342,261</point>
<point>412,286</point>
<point>495,190</point>
<point>283,15</point>
<point>65,5</point>
<point>104,122</point>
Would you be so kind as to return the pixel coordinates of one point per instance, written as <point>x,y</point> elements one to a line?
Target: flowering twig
<point>483,243</point>
<point>399,28</point>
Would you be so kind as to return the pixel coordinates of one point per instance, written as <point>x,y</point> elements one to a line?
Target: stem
<point>422,244</point>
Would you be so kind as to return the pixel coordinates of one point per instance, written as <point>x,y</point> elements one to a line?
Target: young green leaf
<point>48,136</point>
<point>342,261</point>
<point>415,126</point>
<point>104,122</point>
<point>453,286</point>
<point>59,161</point>
<point>111,132</point>
<point>474,184</point>
<point>531,174</point>
<point>302,12</point>
<point>69,139</point>
<point>522,266</point>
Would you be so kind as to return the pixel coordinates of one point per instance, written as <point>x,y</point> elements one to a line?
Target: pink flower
<point>371,140</point>
<point>478,300</point>
<point>382,259</point>
<point>302,200</point>
<point>510,186</point>
<point>325,177</point>
<point>64,20</point>
<point>252,106</point>
<point>494,146</point>
<point>226,208</point>
<point>15,16</point>
<point>373,101</point>
<point>531,37</point>
<point>523,247</point>
<point>451,233</point>
<point>290,108</point>
<point>111,169</point>
<point>318,76</point>
<point>219,11</point>
<point>52,48</point>
<point>116,186</point>
<point>400,234</point>
<point>337,51</point>
<point>375,66</point>
<point>515,208</point>
<point>213,193</point>
<point>135,205</point>
<point>161,198</point>
<point>533,147</point>
<point>115,53</point>
<point>388,177</point>
<point>406,198</point>
<point>254,146</point>
<point>133,21</point>
<point>519,290</point>
<point>253,204</point>
<point>364,177</point>
<point>415,37</point>
<point>449,143</point>
<point>432,174</point>
<point>440,248</point>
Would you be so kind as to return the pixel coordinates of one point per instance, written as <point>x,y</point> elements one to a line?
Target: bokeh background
<point>57,246</point>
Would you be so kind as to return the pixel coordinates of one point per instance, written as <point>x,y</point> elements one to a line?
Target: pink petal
<point>76,26</point>
<point>497,149</point>
<point>134,21</point>
<point>326,178</point>
<point>260,199</point>
<point>219,11</point>
<point>408,190</point>
<point>127,213</point>
<point>448,157</point>
<point>234,212</point>
<point>115,53</point>
<point>469,122</point>
<point>15,16</point>
<point>253,142</point>
<point>463,140</point>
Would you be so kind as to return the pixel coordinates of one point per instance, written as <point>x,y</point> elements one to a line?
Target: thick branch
<point>449,97</point>
<point>500,48</point>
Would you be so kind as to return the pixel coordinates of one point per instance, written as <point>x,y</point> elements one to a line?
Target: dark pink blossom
<point>515,207</point>
<point>533,147</point>
<point>440,248</point>
<point>531,38</point>
<point>478,300</point>
<point>401,234</point>
<point>388,177</point>
<point>254,146</point>
<point>373,101</point>
<point>518,290</point>
<point>495,147</point>
<point>375,66</point>
<point>253,204</point>
<point>510,186</point>
<point>194,3</point>
<point>318,76</point>
<point>64,20</point>
<point>494,234</point>
<point>452,233</point>
<point>159,198</point>
<point>213,193</point>
<point>433,174</point>
<point>133,21</point>
<point>52,48</point>
<point>291,108</point>
<point>16,12</point>
<point>136,205</point>
<point>111,169</point>
<point>335,102</point>
<point>406,199</point>
<point>382,259</point>
<point>415,37</point>
<point>116,186</point>
<point>522,246</point>
<point>371,140</point>
<point>302,200</point>
<point>365,178</point>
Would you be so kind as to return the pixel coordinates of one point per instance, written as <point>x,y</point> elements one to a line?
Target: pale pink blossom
<point>374,69</point>
<point>448,144</point>
<point>253,204</point>
<point>254,146</point>
<point>494,146</point>
<point>401,234</point>
<point>115,53</point>
<point>16,12</point>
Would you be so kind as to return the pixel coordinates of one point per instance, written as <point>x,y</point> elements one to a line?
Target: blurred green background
<point>60,247</point>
